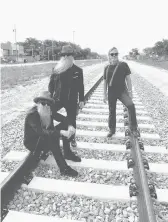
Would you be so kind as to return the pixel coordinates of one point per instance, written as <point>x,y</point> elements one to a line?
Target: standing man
<point>66,86</point>
<point>40,135</point>
<point>118,83</point>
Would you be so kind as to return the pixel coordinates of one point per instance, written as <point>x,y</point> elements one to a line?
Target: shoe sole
<point>74,145</point>
<point>73,160</point>
<point>110,135</point>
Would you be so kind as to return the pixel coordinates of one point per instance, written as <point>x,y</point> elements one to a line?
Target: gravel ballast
<point>73,207</point>
<point>100,176</point>
<point>156,103</point>
<point>86,175</point>
<point>79,207</point>
<point>7,166</point>
<point>12,135</point>
<point>105,128</point>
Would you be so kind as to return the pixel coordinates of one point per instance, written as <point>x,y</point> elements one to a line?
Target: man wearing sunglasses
<point>66,86</point>
<point>41,136</point>
<point>117,82</point>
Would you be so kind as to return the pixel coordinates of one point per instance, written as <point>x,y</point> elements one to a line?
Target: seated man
<point>41,135</point>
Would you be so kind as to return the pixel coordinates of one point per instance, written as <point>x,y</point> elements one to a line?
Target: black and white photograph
<point>84,110</point>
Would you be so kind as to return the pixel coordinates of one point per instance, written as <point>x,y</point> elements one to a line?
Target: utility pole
<point>52,50</point>
<point>43,49</point>
<point>32,51</point>
<point>74,41</point>
<point>14,30</point>
<point>73,37</point>
<point>48,54</point>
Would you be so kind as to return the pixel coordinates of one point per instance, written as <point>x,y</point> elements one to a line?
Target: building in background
<point>11,52</point>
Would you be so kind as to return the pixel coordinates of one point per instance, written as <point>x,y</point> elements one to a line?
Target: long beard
<point>45,116</point>
<point>64,64</point>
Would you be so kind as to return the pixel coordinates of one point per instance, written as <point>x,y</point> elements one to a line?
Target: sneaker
<point>68,171</point>
<point>73,143</point>
<point>72,157</point>
<point>110,133</point>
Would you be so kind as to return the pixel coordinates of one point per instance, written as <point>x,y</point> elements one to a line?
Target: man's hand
<point>71,131</point>
<point>81,105</point>
<point>64,133</point>
<point>105,98</point>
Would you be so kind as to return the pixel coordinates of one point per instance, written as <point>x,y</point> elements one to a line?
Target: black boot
<point>68,171</point>
<point>73,142</point>
<point>68,154</point>
<point>111,132</point>
<point>72,156</point>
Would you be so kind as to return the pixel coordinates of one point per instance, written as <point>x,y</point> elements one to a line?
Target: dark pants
<point>71,109</point>
<point>52,143</point>
<point>127,101</point>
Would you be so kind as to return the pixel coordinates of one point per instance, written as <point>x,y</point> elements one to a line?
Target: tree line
<point>160,49</point>
<point>50,49</point>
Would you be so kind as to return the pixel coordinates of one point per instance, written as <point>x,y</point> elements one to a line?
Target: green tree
<point>51,49</point>
<point>161,47</point>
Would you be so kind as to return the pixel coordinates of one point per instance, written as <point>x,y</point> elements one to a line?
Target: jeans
<point>127,101</point>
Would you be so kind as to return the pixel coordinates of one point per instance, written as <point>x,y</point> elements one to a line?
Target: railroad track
<point>103,188</point>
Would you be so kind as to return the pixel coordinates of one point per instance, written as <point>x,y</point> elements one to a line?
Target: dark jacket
<point>68,85</point>
<point>33,130</point>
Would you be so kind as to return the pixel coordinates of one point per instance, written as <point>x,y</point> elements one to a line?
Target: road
<point>156,76</point>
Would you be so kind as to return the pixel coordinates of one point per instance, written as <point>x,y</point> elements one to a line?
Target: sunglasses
<point>114,54</point>
<point>45,103</point>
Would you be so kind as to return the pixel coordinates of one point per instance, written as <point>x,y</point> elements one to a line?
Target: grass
<point>19,75</point>
<point>160,64</point>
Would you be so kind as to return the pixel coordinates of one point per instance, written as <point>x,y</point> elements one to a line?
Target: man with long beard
<point>41,136</point>
<point>118,82</point>
<point>66,85</point>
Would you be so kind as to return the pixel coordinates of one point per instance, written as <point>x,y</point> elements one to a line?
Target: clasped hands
<point>68,133</point>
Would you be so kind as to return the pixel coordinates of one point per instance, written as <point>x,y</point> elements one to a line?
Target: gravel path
<point>155,103</point>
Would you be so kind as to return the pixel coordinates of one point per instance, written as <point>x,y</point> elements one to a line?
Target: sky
<point>97,24</point>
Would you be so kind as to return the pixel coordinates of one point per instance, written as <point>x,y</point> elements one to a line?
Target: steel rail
<point>14,180</point>
<point>145,203</point>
